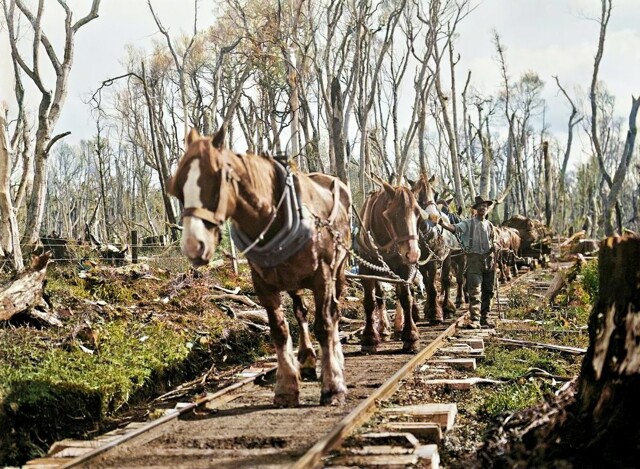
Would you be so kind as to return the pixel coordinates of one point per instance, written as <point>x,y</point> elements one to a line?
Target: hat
<point>479,200</point>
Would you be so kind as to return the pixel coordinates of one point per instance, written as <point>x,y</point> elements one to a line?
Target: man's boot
<point>486,323</point>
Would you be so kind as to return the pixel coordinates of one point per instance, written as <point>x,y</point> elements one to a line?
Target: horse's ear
<point>410,182</point>
<point>433,180</point>
<point>218,139</point>
<point>448,201</point>
<point>388,188</point>
<point>192,136</point>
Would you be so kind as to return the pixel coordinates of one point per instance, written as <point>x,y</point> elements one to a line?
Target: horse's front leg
<point>410,335</point>
<point>370,335</point>
<point>306,353</point>
<point>460,267</point>
<point>432,308</point>
<point>445,280</point>
<point>326,326</point>
<point>288,375</point>
<point>380,312</point>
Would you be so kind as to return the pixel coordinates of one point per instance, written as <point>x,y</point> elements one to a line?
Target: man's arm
<point>447,226</point>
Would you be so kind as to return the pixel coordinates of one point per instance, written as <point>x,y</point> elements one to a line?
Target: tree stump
<point>26,294</point>
<point>608,403</point>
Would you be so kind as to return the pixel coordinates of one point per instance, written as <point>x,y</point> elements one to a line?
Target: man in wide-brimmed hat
<point>476,236</point>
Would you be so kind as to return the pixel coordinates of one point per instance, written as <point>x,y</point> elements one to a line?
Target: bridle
<point>218,215</point>
<point>395,239</point>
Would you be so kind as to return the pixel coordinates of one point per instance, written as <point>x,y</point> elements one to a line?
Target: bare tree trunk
<point>621,173</point>
<point>593,92</point>
<point>452,137</point>
<point>9,233</point>
<point>487,159</point>
<point>338,141</point>
<point>547,183</point>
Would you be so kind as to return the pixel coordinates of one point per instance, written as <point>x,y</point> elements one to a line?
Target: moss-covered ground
<point>128,334</point>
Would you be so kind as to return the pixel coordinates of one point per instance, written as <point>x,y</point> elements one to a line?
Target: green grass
<point>516,367</point>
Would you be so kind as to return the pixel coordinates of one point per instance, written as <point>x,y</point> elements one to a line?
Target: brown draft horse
<point>215,184</point>
<point>389,229</point>
<point>438,247</point>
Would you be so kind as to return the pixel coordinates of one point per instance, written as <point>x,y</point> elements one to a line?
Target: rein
<point>384,267</point>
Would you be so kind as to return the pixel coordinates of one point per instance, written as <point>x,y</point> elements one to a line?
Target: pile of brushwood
<point>82,344</point>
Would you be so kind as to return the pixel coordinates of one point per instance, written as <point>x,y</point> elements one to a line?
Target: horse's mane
<point>258,166</point>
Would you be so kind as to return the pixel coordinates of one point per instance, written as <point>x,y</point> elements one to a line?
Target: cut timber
<point>391,461</point>
<point>557,348</point>
<point>403,439</point>
<point>442,414</point>
<point>59,446</point>
<point>457,363</point>
<point>428,432</point>
<point>378,450</point>
<point>428,456</point>
<point>47,463</point>
<point>26,294</point>
<point>461,384</point>
<point>475,344</point>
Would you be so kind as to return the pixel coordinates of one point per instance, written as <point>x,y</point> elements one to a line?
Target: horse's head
<point>424,191</point>
<point>203,184</point>
<point>401,216</point>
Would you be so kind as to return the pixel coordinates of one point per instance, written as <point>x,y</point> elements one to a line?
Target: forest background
<point>544,121</point>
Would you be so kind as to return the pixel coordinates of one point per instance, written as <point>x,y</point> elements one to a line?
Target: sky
<point>549,37</point>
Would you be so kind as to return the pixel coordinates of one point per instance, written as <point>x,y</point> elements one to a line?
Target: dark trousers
<point>481,275</point>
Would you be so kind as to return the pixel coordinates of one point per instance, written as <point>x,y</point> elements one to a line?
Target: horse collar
<point>296,231</point>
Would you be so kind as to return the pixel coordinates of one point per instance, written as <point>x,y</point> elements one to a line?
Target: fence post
<point>134,246</point>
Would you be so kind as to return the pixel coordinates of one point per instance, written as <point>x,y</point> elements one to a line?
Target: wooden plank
<point>395,461</point>
<point>442,414</point>
<point>457,363</point>
<point>428,456</point>
<point>428,432</point>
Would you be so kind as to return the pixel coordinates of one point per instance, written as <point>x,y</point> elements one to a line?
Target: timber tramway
<point>238,426</point>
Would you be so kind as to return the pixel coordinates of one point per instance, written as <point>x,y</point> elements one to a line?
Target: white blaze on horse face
<point>196,239</point>
<point>414,251</point>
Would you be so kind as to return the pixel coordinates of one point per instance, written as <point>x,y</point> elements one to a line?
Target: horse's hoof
<point>286,400</point>
<point>397,335</point>
<point>308,374</point>
<point>410,347</point>
<point>435,322</point>
<point>336,398</point>
<point>368,349</point>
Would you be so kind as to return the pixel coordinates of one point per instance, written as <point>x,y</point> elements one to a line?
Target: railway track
<point>238,426</point>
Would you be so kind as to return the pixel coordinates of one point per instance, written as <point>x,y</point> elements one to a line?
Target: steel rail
<point>313,457</point>
<point>173,414</point>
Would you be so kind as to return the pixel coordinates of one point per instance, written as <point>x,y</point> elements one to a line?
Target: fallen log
<point>239,298</point>
<point>556,348</point>
<point>26,294</point>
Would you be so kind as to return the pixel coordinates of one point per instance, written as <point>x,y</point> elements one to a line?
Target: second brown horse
<point>388,243</point>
